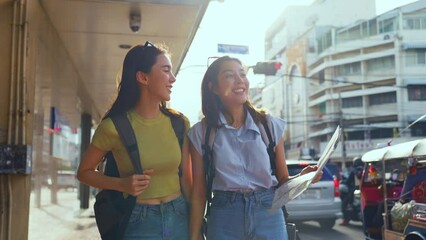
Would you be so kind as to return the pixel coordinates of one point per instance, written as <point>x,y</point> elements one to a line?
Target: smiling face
<point>232,85</point>
<point>158,83</point>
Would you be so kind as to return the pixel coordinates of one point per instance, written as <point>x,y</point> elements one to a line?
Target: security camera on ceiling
<point>135,21</point>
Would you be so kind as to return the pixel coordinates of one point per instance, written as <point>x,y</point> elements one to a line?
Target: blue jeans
<point>235,215</point>
<point>166,221</point>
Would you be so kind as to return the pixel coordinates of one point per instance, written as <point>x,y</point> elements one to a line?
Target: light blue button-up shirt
<point>239,155</point>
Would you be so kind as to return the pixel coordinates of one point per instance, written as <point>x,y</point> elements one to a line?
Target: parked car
<point>320,202</point>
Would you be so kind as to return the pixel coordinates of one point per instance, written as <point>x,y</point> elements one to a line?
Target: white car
<point>320,202</point>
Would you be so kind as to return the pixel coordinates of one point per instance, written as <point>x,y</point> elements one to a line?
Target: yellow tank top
<point>158,149</point>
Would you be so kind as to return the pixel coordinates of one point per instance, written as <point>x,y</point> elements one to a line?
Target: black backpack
<point>112,210</point>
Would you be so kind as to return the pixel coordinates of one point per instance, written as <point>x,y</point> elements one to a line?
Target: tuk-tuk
<point>392,176</point>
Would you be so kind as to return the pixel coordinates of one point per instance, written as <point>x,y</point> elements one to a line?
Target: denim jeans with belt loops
<point>166,221</point>
<point>245,216</point>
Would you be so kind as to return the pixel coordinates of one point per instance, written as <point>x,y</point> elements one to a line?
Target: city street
<point>312,231</point>
<point>66,221</point>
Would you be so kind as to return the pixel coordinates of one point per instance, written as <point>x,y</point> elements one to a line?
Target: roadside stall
<point>393,192</point>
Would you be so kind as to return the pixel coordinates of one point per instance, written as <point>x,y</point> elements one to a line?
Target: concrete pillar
<point>86,126</point>
<point>16,112</point>
<point>6,13</point>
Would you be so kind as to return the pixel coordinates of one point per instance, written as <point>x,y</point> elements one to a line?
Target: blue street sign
<point>227,48</point>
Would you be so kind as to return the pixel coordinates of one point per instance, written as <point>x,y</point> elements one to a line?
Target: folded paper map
<point>296,186</point>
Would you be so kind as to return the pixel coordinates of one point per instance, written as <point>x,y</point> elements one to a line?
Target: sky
<point>236,22</point>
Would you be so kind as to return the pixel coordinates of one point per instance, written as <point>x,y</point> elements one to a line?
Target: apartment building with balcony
<point>284,95</point>
<point>370,78</point>
<point>367,76</point>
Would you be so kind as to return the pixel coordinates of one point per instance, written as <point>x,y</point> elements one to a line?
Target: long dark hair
<point>139,58</point>
<point>211,103</point>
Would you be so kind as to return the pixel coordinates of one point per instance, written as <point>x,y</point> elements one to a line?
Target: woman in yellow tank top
<point>161,210</point>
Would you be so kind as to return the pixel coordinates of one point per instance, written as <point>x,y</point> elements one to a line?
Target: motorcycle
<point>353,209</point>
<point>351,202</point>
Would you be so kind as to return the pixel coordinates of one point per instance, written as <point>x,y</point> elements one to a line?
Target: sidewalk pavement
<point>64,220</point>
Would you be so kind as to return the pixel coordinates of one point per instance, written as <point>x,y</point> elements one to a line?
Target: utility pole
<point>342,135</point>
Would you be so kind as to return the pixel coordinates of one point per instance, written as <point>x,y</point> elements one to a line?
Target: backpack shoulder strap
<point>268,137</point>
<point>110,167</point>
<point>178,123</point>
<point>208,140</point>
<point>209,134</point>
<point>127,136</point>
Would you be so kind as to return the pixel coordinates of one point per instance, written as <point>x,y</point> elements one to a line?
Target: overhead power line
<point>344,81</point>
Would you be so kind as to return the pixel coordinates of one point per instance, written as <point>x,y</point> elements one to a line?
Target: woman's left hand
<point>309,169</point>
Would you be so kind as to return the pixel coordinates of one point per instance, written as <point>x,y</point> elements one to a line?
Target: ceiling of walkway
<point>93,30</point>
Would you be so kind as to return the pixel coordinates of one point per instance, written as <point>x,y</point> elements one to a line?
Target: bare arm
<point>88,174</point>
<point>198,197</point>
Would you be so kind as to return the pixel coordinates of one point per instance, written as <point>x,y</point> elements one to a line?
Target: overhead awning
<point>415,148</point>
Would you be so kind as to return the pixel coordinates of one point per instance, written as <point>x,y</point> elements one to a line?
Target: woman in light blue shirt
<point>243,184</point>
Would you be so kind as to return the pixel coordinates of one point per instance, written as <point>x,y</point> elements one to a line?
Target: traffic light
<point>268,68</point>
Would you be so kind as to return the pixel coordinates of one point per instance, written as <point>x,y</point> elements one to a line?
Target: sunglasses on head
<point>210,60</point>
<point>149,44</point>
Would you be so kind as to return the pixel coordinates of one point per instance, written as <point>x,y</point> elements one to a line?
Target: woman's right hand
<point>136,184</point>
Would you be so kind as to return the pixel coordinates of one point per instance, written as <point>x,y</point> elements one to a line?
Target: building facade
<point>365,76</point>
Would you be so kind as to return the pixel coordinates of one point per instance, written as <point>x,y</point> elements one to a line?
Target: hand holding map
<point>296,186</point>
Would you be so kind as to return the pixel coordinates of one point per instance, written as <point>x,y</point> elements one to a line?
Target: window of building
<point>415,22</point>
<point>412,24</point>
<point>388,25</point>
<point>364,29</point>
<point>355,135</point>
<point>354,32</point>
<point>381,133</point>
<point>380,64</point>
<point>352,102</point>
<point>350,34</point>
<point>414,57</point>
<point>349,69</point>
<point>421,57</point>
<point>418,129</point>
<point>324,42</point>
<point>369,28</point>
<point>321,77</point>
<point>416,92</point>
<point>382,98</point>
<point>372,26</point>
<point>323,107</point>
